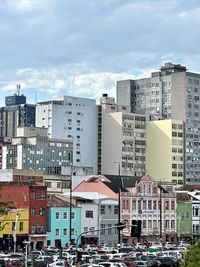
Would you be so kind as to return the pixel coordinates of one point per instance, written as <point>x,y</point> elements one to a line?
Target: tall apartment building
<point>33,150</point>
<point>72,118</point>
<point>165,150</point>
<point>121,139</point>
<point>171,93</point>
<point>16,113</point>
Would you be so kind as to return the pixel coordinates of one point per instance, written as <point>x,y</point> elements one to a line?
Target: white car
<point>57,263</point>
<point>170,245</point>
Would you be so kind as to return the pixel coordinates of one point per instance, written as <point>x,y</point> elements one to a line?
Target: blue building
<point>58,221</point>
<point>16,113</point>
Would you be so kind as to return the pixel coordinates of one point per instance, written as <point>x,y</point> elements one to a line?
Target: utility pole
<point>160,212</point>
<point>119,202</point>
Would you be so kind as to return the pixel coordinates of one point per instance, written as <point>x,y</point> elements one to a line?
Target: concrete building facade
<point>154,206</point>
<point>72,118</point>
<point>121,139</point>
<point>171,93</point>
<point>165,150</point>
<point>37,152</point>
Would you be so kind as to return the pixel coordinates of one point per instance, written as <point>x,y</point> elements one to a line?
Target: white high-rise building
<point>72,118</point>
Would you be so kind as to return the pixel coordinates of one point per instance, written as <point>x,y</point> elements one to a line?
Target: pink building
<point>142,202</point>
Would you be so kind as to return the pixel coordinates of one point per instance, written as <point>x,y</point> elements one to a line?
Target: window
<point>73,231</point>
<point>103,232</point>
<point>116,210</point>
<point>33,211</point>
<point>73,215</point>
<point>65,215</point>
<point>21,226</point>
<point>109,209</point>
<point>109,230</point>
<point>42,195</point>
<point>32,195</point>
<point>172,205</point>
<point>57,232</point>
<point>13,226</point>
<point>41,211</point>
<point>57,215</point>
<point>102,209</point>
<point>89,214</point>
<point>149,205</point>
<point>65,231</point>
<point>134,205</point>
<point>167,205</point>
<point>33,229</point>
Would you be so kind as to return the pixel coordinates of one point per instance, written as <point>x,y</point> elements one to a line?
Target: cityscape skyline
<point>91,44</point>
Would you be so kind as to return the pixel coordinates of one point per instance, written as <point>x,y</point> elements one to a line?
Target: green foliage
<point>5,208</point>
<point>192,256</point>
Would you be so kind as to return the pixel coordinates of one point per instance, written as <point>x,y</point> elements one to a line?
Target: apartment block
<point>170,93</point>
<point>121,140</point>
<point>74,119</point>
<point>37,152</point>
<point>165,150</point>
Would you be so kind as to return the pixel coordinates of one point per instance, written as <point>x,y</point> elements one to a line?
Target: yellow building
<point>165,150</point>
<point>18,217</point>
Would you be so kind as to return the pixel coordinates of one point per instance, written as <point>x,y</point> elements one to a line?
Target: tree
<point>5,208</point>
<point>192,256</point>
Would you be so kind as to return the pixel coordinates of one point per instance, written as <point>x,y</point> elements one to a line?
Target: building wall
<point>170,93</point>
<point>127,146</point>
<point>61,224</point>
<point>38,153</point>
<point>10,219</point>
<point>165,152</point>
<point>184,220</point>
<point>144,205</point>
<point>22,197</point>
<point>76,120</point>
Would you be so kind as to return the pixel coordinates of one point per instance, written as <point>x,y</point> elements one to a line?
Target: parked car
<point>153,263</point>
<point>13,262</point>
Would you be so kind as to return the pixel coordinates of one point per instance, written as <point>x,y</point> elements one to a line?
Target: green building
<point>184,216</point>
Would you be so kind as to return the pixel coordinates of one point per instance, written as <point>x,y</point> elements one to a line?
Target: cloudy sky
<point>82,47</point>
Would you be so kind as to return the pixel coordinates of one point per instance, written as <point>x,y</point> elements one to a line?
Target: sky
<point>83,47</point>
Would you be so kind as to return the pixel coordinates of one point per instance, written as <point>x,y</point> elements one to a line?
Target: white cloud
<point>23,6</point>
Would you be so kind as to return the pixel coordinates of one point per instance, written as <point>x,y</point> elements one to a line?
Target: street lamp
<point>119,201</point>
<point>26,243</point>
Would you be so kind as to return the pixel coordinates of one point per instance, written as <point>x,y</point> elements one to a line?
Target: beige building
<point>165,150</point>
<point>123,140</point>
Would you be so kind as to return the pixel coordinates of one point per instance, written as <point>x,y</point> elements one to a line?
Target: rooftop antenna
<point>18,88</point>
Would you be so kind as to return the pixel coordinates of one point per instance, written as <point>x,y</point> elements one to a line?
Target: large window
<point>103,209</point>
<point>89,214</point>
<point>57,231</point>
<point>57,215</point>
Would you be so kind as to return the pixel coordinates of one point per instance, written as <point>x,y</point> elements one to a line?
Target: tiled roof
<point>189,187</point>
<point>183,196</point>
<point>124,181</point>
<point>58,201</point>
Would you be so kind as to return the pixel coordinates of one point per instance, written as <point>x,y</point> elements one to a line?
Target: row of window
<point>110,209</point>
<point>40,211</point>
<point>147,205</point>
<point>65,215</point>
<point>38,195</point>
<point>64,232</point>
